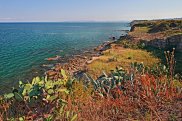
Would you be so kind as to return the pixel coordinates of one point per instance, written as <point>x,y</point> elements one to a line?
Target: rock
<point>81,56</point>
<point>132,29</point>
<point>54,58</point>
<point>113,38</point>
<point>179,47</point>
<point>170,42</point>
<point>51,73</point>
<point>93,58</point>
<point>48,65</point>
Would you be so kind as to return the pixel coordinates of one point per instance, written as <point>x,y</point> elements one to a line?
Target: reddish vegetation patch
<point>137,102</point>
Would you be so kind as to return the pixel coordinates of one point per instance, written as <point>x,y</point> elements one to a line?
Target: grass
<point>145,97</point>
<point>159,53</point>
<point>170,28</point>
<point>142,29</point>
<point>169,33</point>
<point>151,94</point>
<point>163,28</point>
<point>140,91</point>
<point>118,56</point>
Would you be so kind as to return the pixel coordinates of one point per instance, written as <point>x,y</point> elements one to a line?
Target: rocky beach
<point>77,63</point>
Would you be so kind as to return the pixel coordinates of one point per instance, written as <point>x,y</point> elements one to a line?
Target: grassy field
<point>122,57</point>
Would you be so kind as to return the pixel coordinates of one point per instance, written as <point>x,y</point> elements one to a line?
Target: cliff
<point>168,43</point>
<point>164,34</point>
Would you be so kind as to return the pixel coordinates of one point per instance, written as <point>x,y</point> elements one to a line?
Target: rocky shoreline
<point>77,63</point>
<point>139,32</point>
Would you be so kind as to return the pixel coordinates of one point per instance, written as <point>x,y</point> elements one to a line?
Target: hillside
<point>159,35</point>
<point>129,79</point>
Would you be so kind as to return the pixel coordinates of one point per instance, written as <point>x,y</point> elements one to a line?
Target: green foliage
<point>9,96</point>
<point>42,92</point>
<point>160,26</point>
<point>156,70</point>
<point>133,45</point>
<point>45,99</point>
<point>104,84</point>
<point>39,87</point>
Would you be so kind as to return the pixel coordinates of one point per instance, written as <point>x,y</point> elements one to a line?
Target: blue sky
<point>87,10</point>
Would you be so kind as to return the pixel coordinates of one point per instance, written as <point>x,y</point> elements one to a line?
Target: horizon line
<point>86,21</point>
<point>63,21</point>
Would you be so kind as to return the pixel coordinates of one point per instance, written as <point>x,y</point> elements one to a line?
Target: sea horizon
<point>122,21</point>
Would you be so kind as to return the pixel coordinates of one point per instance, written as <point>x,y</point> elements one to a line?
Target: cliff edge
<point>163,34</point>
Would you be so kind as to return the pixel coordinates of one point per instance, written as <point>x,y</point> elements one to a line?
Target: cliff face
<point>175,41</point>
<point>159,33</point>
<point>170,42</point>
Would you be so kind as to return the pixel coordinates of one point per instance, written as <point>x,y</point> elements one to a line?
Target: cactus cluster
<point>43,88</point>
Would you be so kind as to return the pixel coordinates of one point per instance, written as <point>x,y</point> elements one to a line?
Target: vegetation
<point>38,99</point>
<point>140,91</point>
<point>118,56</point>
<point>128,82</point>
<point>156,30</point>
<point>166,27</point>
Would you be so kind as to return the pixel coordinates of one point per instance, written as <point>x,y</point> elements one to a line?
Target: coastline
<point>66,42</point>
<point>132,73</point>
<point>73,64</point>
<point>77,63</point>
<point>23,56</point>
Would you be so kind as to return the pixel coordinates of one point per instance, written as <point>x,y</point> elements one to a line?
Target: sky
<point>87,10</point>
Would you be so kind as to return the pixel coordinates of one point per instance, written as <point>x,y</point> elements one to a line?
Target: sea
<point>25,46</point>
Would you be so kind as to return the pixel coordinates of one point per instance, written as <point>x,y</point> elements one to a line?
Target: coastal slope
<point>127,79</point>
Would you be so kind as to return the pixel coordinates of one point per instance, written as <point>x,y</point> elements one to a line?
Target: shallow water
<point>24,46</point>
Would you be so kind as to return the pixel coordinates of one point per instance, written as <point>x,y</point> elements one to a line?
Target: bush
<point>141,92</point>
<point>38,99</point>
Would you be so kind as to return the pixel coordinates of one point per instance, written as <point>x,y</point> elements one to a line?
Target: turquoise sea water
<point>24,46</point>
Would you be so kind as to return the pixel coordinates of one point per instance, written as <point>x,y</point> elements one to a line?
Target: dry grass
<point>118,56</point>
<point>169,33</point>
<point>143,32</point>
<point>141,29</point>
